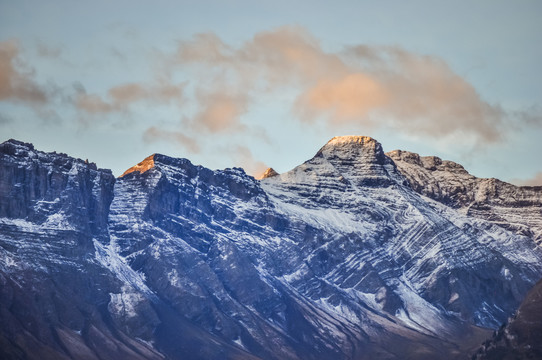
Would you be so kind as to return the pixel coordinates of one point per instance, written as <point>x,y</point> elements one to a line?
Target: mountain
<point>355,254</point>
<point>270,172</point>
<point>512,207</point>
<point>520,337</point>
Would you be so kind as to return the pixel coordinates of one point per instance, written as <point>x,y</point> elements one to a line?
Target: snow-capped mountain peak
<point>343,164</point>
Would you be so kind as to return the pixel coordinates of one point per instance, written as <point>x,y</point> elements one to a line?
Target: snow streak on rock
<point>353,254</point>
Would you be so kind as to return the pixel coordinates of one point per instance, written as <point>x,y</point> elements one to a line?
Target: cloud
<point>361,85</point>
<point>425,95</point>
<point>288,54</point>
<point>536,180</point>
<point>349,99</point>
<point>94,104</point>
<point>243,157</point>
<point>127,93</point>
<point>219,111</point>
<point>155,134</point>
<point>204,47</point>
<point>120,97</point>
<point>16,83</point>
<point>266,63</point>
<point>5,119</point>
<point>48,51</point>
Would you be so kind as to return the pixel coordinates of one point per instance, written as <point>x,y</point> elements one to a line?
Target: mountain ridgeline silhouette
<point>354,254</point>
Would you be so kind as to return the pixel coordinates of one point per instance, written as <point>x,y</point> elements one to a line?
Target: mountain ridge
<point>339,257</point>
<point>514,207</point>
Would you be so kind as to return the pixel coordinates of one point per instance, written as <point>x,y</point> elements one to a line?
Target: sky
<point>260,84</point>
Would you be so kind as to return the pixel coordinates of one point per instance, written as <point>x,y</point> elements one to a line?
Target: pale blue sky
<point>252,109</point>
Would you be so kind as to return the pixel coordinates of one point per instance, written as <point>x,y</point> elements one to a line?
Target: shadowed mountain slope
<point>342,257</point>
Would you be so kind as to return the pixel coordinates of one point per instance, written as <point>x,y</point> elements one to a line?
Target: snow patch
<point>118,266</point>
<point>239,342</point>
<point>58,221</point>
<point>453,298</point>
<point>125,303</point>
<point>505,273</point>
<point>174,279</point>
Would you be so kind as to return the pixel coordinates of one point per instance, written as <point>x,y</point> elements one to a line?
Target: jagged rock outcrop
<point>53,293</point>
<point>337,258</point>
<point>516,208</point>
<point>270,172</point>
<point>521,337</point>
<point>49,189</point>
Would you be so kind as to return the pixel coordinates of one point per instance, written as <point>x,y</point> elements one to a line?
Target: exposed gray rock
<point>340,257</point>
<point>520,337</point>
<point>516,208</point>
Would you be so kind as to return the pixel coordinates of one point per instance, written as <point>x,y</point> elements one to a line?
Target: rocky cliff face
<point>54,295</point>
<point>53,189</point>
<point>516,208</point>
<point>339,258</point>
<point>520,337</point>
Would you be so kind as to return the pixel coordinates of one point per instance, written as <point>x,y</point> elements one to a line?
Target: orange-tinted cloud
<point>93,104</point>
<point>120,97</point>
<point>291,54</point>
<point>536,180</point>
<point>348,99</point>
<point>127,93</point>
<point>243,157</point>
<point>154,134</point>
<point>426,96</point>
<point>363,85</point>
<point>219,111</point>
<point>204,47</point>
<point>17,84</point>
<point>288,54</point>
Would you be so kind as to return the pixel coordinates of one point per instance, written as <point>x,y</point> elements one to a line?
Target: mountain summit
<point>354,254</point>
<point>350,142</point>
<point>353,150</point>
<point>145,165</point>
<point>270,172</point>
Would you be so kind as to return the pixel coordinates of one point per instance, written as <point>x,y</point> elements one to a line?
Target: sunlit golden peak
<point>143,166</point>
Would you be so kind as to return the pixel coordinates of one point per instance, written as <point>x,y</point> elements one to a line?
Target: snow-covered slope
<point>341,257</point>
<point>431,249</point>
<point>517,208</point>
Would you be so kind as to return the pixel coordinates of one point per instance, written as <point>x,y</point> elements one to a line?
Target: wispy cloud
<point>220,111</point>
<point>424,95</point>
<point>120,97</point>
<point>536,180</point>
<point>154,134</point>
<point>48,51</point>
<point>348,99</point>
<point>17,79</point>
<point>214,86</point>
<point>244,158</point>
<point>365,85</point>
<point>5,119</point>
